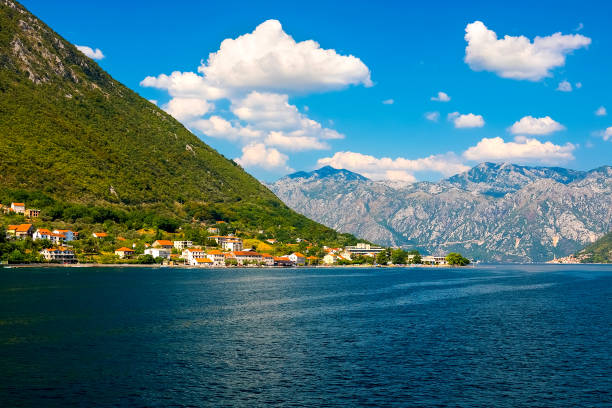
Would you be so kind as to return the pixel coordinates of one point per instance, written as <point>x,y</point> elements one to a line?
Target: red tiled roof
<point>124,249</point>
<point>164,242</point>
<point>23,227</point>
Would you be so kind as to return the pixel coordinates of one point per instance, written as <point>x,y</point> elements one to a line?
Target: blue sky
<point>277,104</point>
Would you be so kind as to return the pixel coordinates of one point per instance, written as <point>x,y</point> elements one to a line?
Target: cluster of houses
<point>232,248</point>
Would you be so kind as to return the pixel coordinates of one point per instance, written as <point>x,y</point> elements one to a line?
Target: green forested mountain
<point>599,251</point>
<point>69,133</point>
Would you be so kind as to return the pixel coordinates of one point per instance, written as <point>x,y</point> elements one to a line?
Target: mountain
<point>599,251</point>
<point>71,133</point>
<point>493,212</point>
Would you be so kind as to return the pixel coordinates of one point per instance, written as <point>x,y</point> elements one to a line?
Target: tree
<point>455,258</point>
<point>382,258</point>
<point>398,256</point>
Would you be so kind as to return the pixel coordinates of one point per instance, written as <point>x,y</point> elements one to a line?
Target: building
<point>271,241</point>
<point>68,234</point>
<point>217,257</point>
<point>213,230</point>
<point>124,253</point>
<point>100,235</point>
<point>363,249</point>
<point>163,243</point>
<point>20,231</point>
<point>434,260</point>
<point>297,259</point>
<point>191,254</point>
<point>267,259</point>
<point>32,213</point>
<point>330,259</point>
<point>180,245</point>
<point>312,260</point>
<point>234,244</point>
<point>202,262</point>
<point>60,254</point>
<point>158,252</point>
<point>18,208</point>
<point>41,233</point>
<point>282,261</point>
<point>245,257</point>
<point>57,239</point>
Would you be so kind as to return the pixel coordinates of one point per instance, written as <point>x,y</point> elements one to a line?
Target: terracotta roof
<point>124,249</point>
<point>12,227</point>
<point>194,250</point>
<point>299,254</point>
<point>203,260</point>
<point>121,239</point>
<point>23,227</point>
<point>100,234</point>
<point>282,258</point>
<point>215,252</point>
<point>164,242</point>
<point>43,231</point>
<point>19,204</point>
<point>267,256</point>
<point>53,234</point>
<point>244,253</point>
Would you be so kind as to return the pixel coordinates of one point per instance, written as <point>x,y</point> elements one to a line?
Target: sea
<point>484,336</point>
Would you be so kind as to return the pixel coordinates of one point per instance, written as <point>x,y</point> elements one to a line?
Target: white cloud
<point>258,155</point>
<point>90,52</point>
<point>388,102</point>
<point>529,125</point>
<point>270,59</point>
<point>185,85</point>
<point>521,150</point>
<point>601,111</point>
<point>468,120</point>
<point>518,57</point>
<point>153,101</point>
<point>296,143</point>
<point>218,127</point>
<point>441,97</point>
<point>188,108</point>
<point>399,169</point>
<point>564,86</point>
<point>607,134</point>
<point>432,116</point>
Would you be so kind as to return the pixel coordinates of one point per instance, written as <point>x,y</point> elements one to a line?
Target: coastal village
<point>232,249</point>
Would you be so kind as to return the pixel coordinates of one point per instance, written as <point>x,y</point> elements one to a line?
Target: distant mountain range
<point>493,212</point>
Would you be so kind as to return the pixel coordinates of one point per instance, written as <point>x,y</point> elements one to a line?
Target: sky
<point>392,90</point>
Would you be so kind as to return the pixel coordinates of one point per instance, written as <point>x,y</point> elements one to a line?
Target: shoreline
<point>96,265</point>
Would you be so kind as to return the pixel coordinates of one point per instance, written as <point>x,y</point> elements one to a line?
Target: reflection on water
<point>534,335</point>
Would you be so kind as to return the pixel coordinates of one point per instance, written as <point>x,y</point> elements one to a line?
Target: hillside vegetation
<point>81,146</point>
<point>599,251</point>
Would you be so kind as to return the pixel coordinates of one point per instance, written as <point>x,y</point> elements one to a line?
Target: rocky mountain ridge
<point>493,212</point>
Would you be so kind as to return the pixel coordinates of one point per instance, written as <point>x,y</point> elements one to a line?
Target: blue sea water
<point>490,336</point>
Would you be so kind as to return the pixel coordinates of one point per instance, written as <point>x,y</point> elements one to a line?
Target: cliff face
<point>493,212</point>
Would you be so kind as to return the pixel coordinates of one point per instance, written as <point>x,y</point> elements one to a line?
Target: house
<point>158,252</point>
<point>245,257</point>
<point>56,238</point>
<point>59,254</point>
<point>297,258</point>
<point>234,244</point>
<point>312,260</point>
<point>68,234</point>
<point>282,261</point>
<point>180,245</point>
<point>202,262</point>
<point>362,249</point>
<point>20,231</point>
<point>124,253</point>
<point>100,235</point>
<point>191,254</point>
<point>330,259</point>
<point>434,260</point>
<point>271,241</point>
<point>163,243</point>
<point>32,213</point>
<point>41,233</point>
<point>213,230</point>
<point>267,259</point>
<point>217,257</point>
<point>19,208</point>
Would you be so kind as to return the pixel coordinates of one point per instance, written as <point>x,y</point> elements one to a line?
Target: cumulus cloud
<point>153,101</point>
<point>466,121</point>
<point>257,72</point>
<point>388,102</point>
<point>564,86</point>
<point>521,150</point>
<point>607,134</point>
<point>518,57</point>
<point>258,155</point>
<point>398,169</point>
<point>441,97</point>
<point>270,59</point>
<point>601,111</point>
<point>529,125</point>
<point>188,108</point>
<point>432,116</point>
<point>90,52</point>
